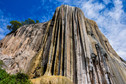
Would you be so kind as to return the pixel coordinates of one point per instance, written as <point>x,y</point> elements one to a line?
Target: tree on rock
<point>14,25</point>
<point>37,21</point>
<point>28,21</point>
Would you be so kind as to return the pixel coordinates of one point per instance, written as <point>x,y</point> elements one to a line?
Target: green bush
<point>3,74</point>
<point>1,63</point>
<point>19,78</point>
<point>37,21</point>
<point>16,24</point>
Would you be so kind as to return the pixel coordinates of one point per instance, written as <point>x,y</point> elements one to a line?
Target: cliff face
<point>68,48</point>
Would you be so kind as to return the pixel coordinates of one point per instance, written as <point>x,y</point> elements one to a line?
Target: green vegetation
<point>16,24</point>
<point>37,21</point>
<point>19,78</point>
<point>1,63</point>
<point>29,21</point>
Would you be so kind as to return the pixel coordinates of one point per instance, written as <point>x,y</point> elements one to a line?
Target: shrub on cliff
<point>28,21</point>
<point>16,24</point>
<point>19,78</point>
<point>1,63</point>
<point>3,74</point>
<point>37,21</point>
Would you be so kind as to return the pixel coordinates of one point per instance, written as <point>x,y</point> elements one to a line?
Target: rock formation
<point>68,49</point>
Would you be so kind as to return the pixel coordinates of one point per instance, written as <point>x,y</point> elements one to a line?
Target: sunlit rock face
<point>69,49</point>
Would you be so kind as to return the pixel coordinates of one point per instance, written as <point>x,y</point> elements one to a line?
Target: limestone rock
<point>51,80</point>
<point>68,47</point>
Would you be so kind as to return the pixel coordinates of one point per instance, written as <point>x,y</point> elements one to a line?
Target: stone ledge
<point>51,80</point>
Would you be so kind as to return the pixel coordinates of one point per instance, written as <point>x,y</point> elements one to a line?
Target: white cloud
<point>110,21</point>
<point>106,1</point>
<point>2,36</point>
<point>92,9</point>
<point>4,21</point>
<point>117,10</point>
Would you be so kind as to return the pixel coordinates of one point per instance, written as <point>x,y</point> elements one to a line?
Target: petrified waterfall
<point>75,48</point>
<point>70,49</point>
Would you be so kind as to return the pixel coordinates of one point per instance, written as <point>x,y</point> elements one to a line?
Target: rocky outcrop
<point>17,49</point>
<point>69,48</point>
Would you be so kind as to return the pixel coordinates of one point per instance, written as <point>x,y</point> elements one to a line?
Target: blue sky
<point>110,16</point>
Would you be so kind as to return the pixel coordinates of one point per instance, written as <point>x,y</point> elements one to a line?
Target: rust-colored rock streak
<point>69,47</point>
